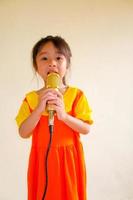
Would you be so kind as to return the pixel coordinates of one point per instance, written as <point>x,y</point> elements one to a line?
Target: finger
<point>53,92</point>
<point>46,98</point>
<point>48,94</point>
<point>55,107</point>
<point>45,91</point>
<point>58,93</point>
<point>56,103</point>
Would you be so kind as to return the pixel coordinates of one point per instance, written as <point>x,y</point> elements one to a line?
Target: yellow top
<point>72,96</point>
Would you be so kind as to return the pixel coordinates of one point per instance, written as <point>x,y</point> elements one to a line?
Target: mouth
<point>52,72</point>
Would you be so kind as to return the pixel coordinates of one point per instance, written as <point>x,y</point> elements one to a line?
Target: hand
<point>45,96</point>
<point>58,105</point>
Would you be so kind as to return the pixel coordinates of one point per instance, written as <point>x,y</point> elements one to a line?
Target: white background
<point>100,34</point>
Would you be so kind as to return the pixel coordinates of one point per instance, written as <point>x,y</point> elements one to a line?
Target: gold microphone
<point>52,81</point>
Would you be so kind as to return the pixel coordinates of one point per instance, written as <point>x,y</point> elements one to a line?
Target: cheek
<point>63,67</point>
<point>40,65</point>
<point>63,71</point>
<point>40,68</point>
<point>41,71</point>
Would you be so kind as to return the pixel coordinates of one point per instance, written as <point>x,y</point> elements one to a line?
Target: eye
<point>59,58</point>
<point>44,58</point>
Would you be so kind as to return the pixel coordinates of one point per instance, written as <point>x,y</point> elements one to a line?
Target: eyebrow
<point>45,52</point>
<point>41,53</point>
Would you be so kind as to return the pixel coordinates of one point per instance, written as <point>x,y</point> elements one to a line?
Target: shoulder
<point>73,94</point>
<point>76,90</point>
<point>31,94</point>
<point>31,98</point>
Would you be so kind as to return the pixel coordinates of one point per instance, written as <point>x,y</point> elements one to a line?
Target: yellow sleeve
<point>82,109</point>
<point>23,113</point>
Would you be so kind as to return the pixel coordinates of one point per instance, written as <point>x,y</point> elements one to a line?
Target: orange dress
<point>66,166</point>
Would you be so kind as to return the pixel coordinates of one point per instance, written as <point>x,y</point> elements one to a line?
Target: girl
<point>66,167</point>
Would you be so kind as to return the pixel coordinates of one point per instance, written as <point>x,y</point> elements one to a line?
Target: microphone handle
<point>51,117</point>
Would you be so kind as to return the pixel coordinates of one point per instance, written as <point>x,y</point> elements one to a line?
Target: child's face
<point>49,59</point>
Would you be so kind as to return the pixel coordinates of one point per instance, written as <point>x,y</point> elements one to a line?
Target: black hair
<point>59,43</point>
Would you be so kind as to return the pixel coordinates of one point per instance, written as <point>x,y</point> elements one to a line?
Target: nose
<point>52,63</point>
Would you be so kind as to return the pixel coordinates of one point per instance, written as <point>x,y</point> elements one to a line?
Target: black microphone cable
<point>53,81</point>
<point>51,126</point>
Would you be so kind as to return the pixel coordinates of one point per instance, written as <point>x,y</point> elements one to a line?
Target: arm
<point>27,126</point>
<point>76,124</point>
<point>73,122</point>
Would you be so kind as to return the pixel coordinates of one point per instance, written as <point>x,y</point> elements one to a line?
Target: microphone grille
<point>53,80</point>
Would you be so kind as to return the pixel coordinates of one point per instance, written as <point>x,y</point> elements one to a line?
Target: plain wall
<point>100,34</point>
